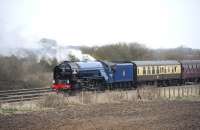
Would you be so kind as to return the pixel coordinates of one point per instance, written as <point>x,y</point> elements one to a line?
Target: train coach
<point>163,73</point>
<point>190,71</point>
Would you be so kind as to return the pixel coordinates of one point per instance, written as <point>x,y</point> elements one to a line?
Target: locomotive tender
<point>100,75</point>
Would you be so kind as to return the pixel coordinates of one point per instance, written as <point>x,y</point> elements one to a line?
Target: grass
<point>19,107</point>
<point>6,111</point>
<point>188,98</point>
<point>57,101</point>
<point>53,101</point>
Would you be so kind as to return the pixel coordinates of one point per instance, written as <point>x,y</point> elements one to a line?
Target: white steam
<point>63,53</point>
<point>46,49</point>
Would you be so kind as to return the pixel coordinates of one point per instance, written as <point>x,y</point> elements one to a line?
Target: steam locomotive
<point>101,75</point>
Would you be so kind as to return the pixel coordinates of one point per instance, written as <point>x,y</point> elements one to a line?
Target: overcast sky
<point>155,23</point>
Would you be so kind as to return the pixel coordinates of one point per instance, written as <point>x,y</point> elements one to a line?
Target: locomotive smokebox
<point>64,76</point>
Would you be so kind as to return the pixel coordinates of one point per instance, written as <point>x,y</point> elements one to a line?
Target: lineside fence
<point>170,92</point>
<point>141,94</point>
<point>87,97</point>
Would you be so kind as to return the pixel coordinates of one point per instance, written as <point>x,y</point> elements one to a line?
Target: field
<point>120,116</point>
<point>149,115</point>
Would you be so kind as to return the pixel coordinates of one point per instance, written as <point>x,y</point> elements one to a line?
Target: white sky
<point>155,23</point>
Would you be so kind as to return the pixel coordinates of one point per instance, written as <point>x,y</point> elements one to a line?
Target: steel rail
<point>23,94</point>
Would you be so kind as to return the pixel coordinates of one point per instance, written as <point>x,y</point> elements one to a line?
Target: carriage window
<point>162,69</point>
<point>165,69</point>
<point>168,69</point>
<point>190,66</point>
<point>175,69</point>
<point>144,70</point>
<point>148,71</point>
<point>157,70</point>
<point>153,70</point>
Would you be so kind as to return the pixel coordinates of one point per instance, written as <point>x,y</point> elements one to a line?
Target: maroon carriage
<point>190,70</point>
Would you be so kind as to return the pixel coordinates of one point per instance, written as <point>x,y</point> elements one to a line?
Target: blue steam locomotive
<point>100,75</point>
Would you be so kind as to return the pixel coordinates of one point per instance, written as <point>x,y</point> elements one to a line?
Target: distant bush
<point>10,68</point>
<point>120,51</point>
<point>25,72</point>
<point>135,51</point>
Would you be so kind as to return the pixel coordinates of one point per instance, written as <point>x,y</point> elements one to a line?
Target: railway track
<point>30,94</point>
<point>23,94</point>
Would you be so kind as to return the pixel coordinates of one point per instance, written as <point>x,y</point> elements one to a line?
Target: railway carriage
<point>158,72</point>
<point>190,70</point>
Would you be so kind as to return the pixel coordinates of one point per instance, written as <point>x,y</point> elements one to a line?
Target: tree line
<point>28,72</point>
<point>25,72</point>
<point>136,51</point>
